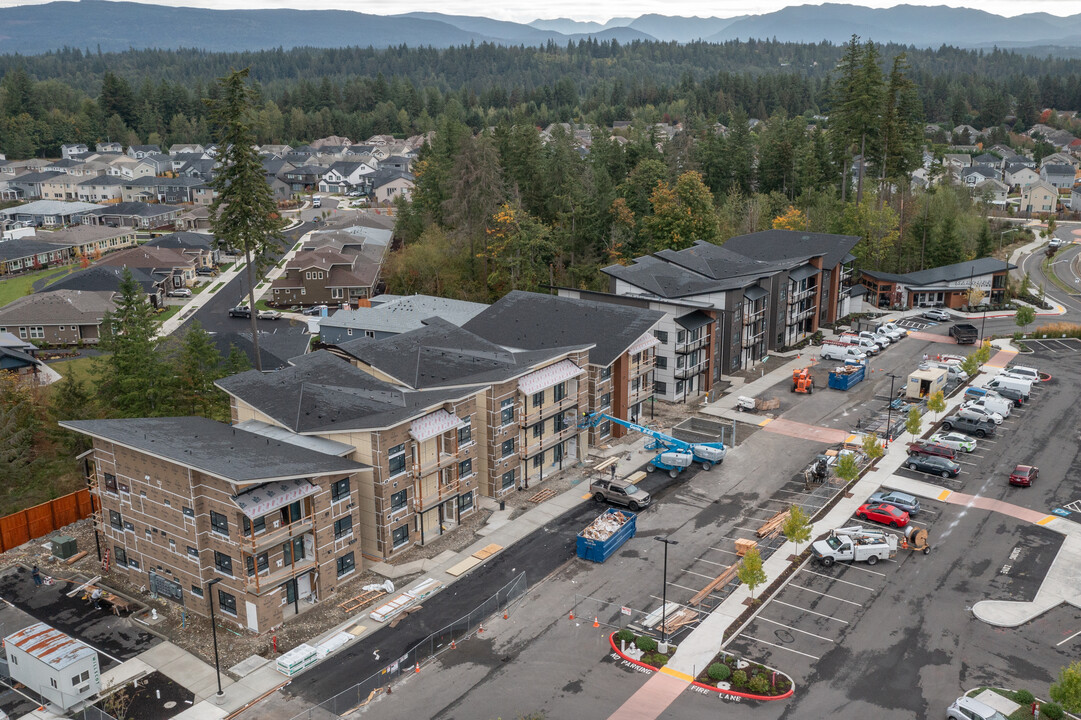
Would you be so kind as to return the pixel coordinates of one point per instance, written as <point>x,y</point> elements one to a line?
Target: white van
<point>1016,384</point>
<point>994,404</point>
<point>838,351</point>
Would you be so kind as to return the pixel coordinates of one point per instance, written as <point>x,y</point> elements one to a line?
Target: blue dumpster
<point>600,550</point>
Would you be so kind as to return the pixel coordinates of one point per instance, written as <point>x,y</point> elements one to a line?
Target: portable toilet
<point>925,383</point>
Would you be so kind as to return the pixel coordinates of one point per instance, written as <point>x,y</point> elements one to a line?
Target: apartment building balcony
<point>754,317</point>
<point>642,393</point>
<point>444,460</point>
<point>546,442</point>
<point>690,346</point>
<point>430,500</point>
<point>795,297</point>
<point>274,536</point>
<point>535,415</point>
<point>796,316</point>
<point>637,369</point>
<point>261,584</point>
<point>685,373</point>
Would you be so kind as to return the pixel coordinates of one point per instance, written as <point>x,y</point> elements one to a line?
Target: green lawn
<point>15,287</point>
<point>82,366</point>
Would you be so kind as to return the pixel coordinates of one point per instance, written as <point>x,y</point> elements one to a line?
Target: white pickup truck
<point>855,544</point>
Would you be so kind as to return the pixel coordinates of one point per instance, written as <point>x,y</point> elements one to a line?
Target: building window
<point>605,428</point>
<point>465,433</point>
<point>465,502</point>
<point>400,536</point>
<point>508,447</point>
<point>661,335</point>
<point>110,482</point>
<point>193,552</point>
<point>636,384</point>
<point>465,468</point>
<point>508,480</point>
<point>340,490</point>
<point>659,387</point>
<point>538,399</point>
<point>346,564</point>
<point>679,387</point>
<point>343,527</point>
<point>662,362</point>
<point>559,392</point>
<point>538,429</point>
<point>37,333</point>
<point>121,556</point>
<point>226,603</point>
<point>398,500</point>
<point>115,520</point>
<point>506,412</point>
<point>606,400</point>
<point>188,511</point>
<point>223,563</point>
<point>538,461</point>
<point>259,524</point>
<point>337,293</point>
<point>219,523</point>
<point>397,459</point>
<point>75,680</point>
<point>196,591</point>
<point>681,337</point>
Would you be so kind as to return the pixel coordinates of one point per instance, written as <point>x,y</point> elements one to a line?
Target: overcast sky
<point>599,10</point>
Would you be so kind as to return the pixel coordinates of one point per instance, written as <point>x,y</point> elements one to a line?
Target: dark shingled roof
<point>946,273</point>
<point>441,354</point>
<point>104,277</point>
<point>323,393</point>
<point>719,263</point>
<point>215,448</point>
<point>775,245</point>
<point>184,241</point>
<point>665,279</point>
<point>532,321</point>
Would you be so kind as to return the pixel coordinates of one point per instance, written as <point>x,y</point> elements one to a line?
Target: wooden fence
<point>40,520</point>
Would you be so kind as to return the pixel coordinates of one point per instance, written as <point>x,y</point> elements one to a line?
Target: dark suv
<point>922,447</point>
<point>969,426</point>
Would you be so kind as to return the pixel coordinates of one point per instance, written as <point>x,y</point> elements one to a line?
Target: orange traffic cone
<point>505,615</point>
<point>480,629</point>
<point>453,646</point>
<point>416,668</point>
<point>595,623</point>
<point>571,615</point>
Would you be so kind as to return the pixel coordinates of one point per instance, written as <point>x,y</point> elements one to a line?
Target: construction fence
<point>40,520</point>
<point>426,650</point>
<point>623,617</point>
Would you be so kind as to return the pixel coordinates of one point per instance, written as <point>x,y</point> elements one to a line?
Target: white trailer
<point>855,544</point>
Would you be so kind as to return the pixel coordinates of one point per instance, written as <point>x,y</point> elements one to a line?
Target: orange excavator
<point>803,381</point>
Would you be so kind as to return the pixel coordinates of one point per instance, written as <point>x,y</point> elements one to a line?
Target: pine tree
<point>235,362</point>
<point>69,399</point>
<point>197,366</point>
<point>984,242</point>
<point>18,426</point>
<point>243,213</point>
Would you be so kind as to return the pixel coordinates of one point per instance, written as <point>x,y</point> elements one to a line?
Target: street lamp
<point>664,595</point>
<point>214,630</point>
<point>889,411</point>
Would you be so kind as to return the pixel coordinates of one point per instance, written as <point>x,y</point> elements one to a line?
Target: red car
<point>1023,475</point>
<point>883,513</point>
<point>923,447</point>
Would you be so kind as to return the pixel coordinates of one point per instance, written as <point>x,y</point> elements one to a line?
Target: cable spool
<point>917,538</point>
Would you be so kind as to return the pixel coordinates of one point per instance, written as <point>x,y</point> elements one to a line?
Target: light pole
<point>889,411</point>
<point>214,630</point>
<point>664,595</point>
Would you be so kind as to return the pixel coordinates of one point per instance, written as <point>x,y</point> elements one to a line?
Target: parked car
<point>938,315</point>
<point>923,447</point>
<point>206,271</point>
<point>900,500</point>
<point>992,404</point>
<point>883,513</point>
<point>881,340</point>
<point>179,292</point>
<point>1012,394</point>
<point>620,492</point>
<point>1024,372</point>
<point>968,425</point>
<point>966,708</point>
<point>894,328</point>
<point>269,315</point>
<point>934,465</point>
<point>1024,475</point>
<point>317,202</point>
<point>240,311</point>
<point>957,441</point>
<point>980,413</point>
<point>315,310</point>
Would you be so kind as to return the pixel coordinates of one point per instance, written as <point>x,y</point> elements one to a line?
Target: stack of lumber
<point>743,545</point>
<point>680,618</point>
<point>723,579</point>
<point>603,527</point>
<point>545,494</point>
<point>772,527</point>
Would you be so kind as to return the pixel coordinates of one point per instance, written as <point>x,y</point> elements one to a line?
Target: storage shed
<point>925,383</point>
<point>63,670</point>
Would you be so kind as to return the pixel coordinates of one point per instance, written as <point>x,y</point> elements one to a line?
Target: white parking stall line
<point>681,587</point>
<point>726,552</point>
<point>711,562</point>
<point>782,647</point>
<point>835,579</point>
<point>965,462</point>
<point>789,627</point>
<point>1069,638</point>
<point>823,615</point>
<point>863,569</point>
<point>750,530</point>
<point>832,597</point>
<point>985,440</point>
<point>917,522</point>
<point>707,577</point>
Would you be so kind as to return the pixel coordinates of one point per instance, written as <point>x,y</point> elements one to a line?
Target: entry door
<point>430,519</point>
<point>253,616</point>
<point>304,585</point>
<point>290,591</point>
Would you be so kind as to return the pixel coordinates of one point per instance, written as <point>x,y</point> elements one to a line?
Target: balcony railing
<point>444,493</point>
<point>643,366</point>
<point>636,396</point>
<point>751,318</point>
<point>690,371</point>
<point>691,345</point>
<point>275,536</point>
<point>444,460</point>
<point>795,297</point>
<point>795,317</point>
<point>546,442</point>
<point>535,415</point>
<point>262,584</point>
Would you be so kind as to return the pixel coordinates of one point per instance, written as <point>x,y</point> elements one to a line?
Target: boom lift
<point>675,454</point>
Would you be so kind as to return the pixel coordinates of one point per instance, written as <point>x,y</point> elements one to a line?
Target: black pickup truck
<point>964,333</point>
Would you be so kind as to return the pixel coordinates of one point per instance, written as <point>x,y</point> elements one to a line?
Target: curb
<point>749,696</point>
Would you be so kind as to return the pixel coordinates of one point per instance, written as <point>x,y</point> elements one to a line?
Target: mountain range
<point>119,26</point>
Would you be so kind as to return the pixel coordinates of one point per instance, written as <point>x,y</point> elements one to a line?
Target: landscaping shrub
<point>739,678</point>
<point>758,685</point>
<point>719,672</point>
<point>1023,697</point>
<point>646,643</point>
<point>1052,710</point>
<point>625,636</point>
<point>659,661</point>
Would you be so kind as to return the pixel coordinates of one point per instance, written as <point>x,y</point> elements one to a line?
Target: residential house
<point>303,178</point>
<point>158,163</point>
<point>174,268</point>
<point>73,150</point>
<point>1059,176</point>
<point>19,358</point>
<point>179,148</point>
<point>100,188</point>
<point>194,218</point>
<point>975,174</point>
<point>947,286</point>
<point>765,291</point>
<point>128,168</point>
<point>170,190</point>
<point>201,248</point>
<point>994,191</point>
<point>57,317</point>
<point>22,254</point>
<point>392,315</point>
<point>203,169</point>
<point>325,276</point>
<point>267,524</point>
<point>343,177</point>
<point>31,184</point>
<point>1039,197</point>
<point>49,213</point>
<point>141,151</point>
<point>620,366</point>
<point>389,185</point>
<point>105,278</point>
<point>1061,158</point>
<point>1075,198</point>
<point>397,162</point>
<point>1019,175</point>
<point>90,241</point>
<point>274,171</point>
<point>180,160</point>
<point>60,187</point>
<point>988,159</point>
<point>133,214</point>
<point>109,147</point>
<point>279,151</point>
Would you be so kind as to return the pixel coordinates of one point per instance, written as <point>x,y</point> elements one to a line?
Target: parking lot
<point>1055,345</point>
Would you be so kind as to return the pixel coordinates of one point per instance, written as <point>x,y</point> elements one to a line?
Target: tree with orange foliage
<point>520,249</point>
<point>622,231</point>
<point>682,214</point>
<point>793,219</point>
